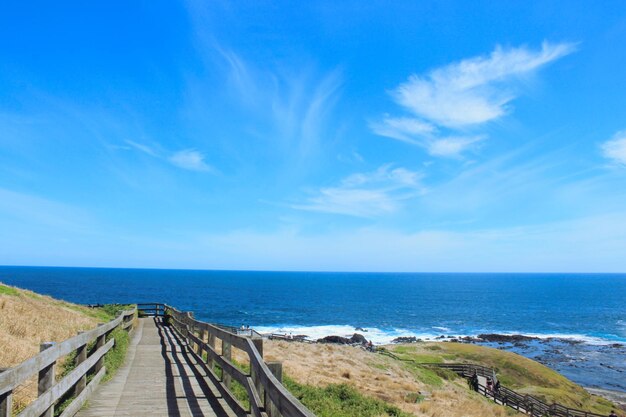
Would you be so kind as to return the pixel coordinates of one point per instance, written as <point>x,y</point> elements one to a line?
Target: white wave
<point>377,336</point>
<point>443,329</point>
<point>590,340</point>
<point>386,336</point>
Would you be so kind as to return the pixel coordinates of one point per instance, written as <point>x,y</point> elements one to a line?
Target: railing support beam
<point>46,378</point>
<point>227,354</point>
<point>81,356</point>
<point>277,370</point>
<point>100,341</point>
<point>6,402</point>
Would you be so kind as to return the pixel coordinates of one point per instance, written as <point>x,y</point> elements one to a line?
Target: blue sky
<point>352,136</point>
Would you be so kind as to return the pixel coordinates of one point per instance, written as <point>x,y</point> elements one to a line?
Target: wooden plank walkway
<point>159,378</point>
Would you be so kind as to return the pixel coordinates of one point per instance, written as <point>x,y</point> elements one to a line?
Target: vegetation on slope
<point>514,371</point>
<point>27,319</point>
<point>340,400</point>
<point>415,391</point>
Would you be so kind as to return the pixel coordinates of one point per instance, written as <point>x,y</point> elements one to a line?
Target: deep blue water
<point>587,305</point>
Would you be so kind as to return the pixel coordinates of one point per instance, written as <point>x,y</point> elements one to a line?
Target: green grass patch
<point>340,400</point>
<point>240,393</point>
<point>404,349</point>
<point>114,359</point>
<point>428,376</point>
<point>6,290</point>
<point>414,398</point>
<point>514,371</point>
<point>375,365</point>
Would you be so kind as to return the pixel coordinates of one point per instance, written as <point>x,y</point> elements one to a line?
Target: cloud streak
<point>463,95</point>
<point>615,148</point>
<point>367,194</point>
<point>188,159</point>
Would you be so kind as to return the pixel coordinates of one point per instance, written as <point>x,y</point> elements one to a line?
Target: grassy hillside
<point>27,319</point>
<point>515,371</point>
<point>328,378</point>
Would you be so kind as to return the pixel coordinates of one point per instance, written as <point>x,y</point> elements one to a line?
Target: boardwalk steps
<point>178,366</point>
<point>175,366</point>
<point>526,404</point>
<point>160,378</point>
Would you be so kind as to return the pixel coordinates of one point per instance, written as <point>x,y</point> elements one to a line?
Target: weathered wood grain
<point>161,377</point>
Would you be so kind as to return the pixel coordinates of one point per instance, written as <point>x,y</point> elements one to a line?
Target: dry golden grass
<point>376,376</point>
<point>28,319</point>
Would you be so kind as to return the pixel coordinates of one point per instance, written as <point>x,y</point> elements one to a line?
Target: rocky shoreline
<point>601,367</point>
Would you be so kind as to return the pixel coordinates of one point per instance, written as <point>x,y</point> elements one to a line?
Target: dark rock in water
<point>504,338</point>
<point>469,339</point>
<point>358,338</point>
<point>335,339</point>
<point>617,345</point>
<point>571,341</point>
<point>355,339</point>
<point>360,329</point>
<point>404,339</point>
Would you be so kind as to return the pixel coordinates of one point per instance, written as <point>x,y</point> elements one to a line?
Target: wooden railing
<point>526,404</point>
<point>77,385</point>
<point>266,394</point>
<point>505,396</point>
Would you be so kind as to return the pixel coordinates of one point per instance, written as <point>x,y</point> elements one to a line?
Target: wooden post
<point>226,353</point>
<point>209,359</point>
<point>190,328</point>
<point>6,404</point>
<point>202,336</point>
<point>6,401</point>
<point>100,341</point>
<point>81,356</point>
<point>277,370</point>
<point>258,344</point>
<point>46,378</point>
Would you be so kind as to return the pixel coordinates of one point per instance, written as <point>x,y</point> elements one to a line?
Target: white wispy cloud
<point>403,128</point>
<point>189,159</point>
<point>615,148</point>
<point>451,146</point>
<point>148,150</point>
<point>293,106</point>
<point>463,94</point>
<point>472,91</point>
<point>367,194</point>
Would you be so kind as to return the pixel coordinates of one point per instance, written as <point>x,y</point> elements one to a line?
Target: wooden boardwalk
<point>160,378</point>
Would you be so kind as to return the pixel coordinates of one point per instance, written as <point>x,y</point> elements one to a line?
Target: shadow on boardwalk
<point>160,378</point>
<point>178,365</point>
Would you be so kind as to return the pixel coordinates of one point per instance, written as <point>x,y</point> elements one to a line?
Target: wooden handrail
<point>45,360</point>
<point>259,381</point>
<point>506,396</point>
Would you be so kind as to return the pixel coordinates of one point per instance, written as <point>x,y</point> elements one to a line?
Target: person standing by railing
<point>474,381</point>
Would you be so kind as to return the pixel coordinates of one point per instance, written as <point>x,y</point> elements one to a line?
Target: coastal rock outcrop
<point>504,338</point>
<point>405,339</point>
<point>355,339</point>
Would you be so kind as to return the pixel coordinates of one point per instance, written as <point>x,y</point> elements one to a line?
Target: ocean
<point>581,317</point>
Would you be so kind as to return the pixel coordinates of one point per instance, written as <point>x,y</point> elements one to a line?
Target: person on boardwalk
<point>474,381</point>
<point>489,384</point>
<point>612,414</point>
